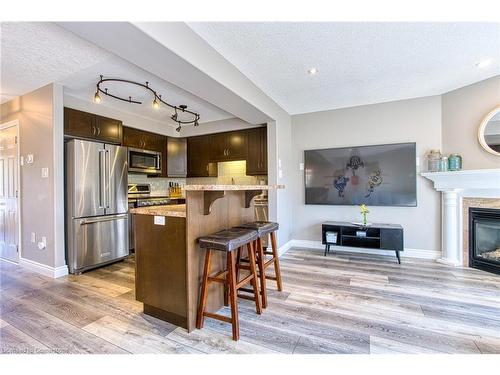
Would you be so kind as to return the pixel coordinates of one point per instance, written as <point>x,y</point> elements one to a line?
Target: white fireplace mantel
<point>484,183</point>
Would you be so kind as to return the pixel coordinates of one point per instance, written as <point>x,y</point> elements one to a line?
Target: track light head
<point>97,97</point>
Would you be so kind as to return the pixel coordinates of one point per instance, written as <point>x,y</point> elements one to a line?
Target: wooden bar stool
<point>229,241</point>
<point>264,228</point>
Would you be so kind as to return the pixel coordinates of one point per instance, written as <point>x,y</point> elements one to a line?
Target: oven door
<point>144,161</point>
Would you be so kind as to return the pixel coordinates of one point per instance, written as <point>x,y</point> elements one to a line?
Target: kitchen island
<point>169,262</point>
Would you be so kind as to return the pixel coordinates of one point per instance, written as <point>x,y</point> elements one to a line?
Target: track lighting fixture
<point>195,117</point>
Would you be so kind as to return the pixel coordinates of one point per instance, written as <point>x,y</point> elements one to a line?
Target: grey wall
<point>40,122</point>
<point>463,111</point>
<point>415,120</point>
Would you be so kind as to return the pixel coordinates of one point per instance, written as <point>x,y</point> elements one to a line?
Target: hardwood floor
<point>343,303</point>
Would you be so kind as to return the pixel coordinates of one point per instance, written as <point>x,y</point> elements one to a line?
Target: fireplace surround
<point>484,239</point>
<point>460,189</point>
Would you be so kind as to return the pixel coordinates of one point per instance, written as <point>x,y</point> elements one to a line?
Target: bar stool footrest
<point>217,317</point>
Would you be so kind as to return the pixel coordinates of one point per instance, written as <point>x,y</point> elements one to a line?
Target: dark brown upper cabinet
<point>228,146</point>
<point>147,141</point>
<point>198,159</point>
<point>79,124</point>
<point>257,151</point>
<point>144,140</point>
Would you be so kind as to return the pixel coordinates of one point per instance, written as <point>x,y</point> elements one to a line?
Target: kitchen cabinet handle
<point>93,130</point>
<point>98,131</point>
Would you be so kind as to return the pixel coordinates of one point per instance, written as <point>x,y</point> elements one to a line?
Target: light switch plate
<point>33,237</point>
<point>280,173</point>
<point>301,166</point>
<point>45,172</point>
<point>159,220</point>
<point>29,159</point>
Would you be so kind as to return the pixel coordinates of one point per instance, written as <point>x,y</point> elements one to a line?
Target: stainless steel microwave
<point>144,161</point>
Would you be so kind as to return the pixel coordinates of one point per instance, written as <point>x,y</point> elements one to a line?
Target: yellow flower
<point>364,209</point>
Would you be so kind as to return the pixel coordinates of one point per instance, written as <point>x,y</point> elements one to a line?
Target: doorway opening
<point>9,191</point>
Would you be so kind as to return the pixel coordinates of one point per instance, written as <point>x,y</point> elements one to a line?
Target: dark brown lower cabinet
<point>160,268</point>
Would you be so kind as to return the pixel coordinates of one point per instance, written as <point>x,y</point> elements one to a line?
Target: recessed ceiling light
<point>313,71</point>
<point>484,63</point>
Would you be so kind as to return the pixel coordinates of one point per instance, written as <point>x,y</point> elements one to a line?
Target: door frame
<point>3,126</point>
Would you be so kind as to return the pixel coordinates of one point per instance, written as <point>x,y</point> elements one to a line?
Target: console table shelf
<point>375,236</point>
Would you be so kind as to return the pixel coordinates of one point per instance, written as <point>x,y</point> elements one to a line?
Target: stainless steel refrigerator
<point>96,204</point>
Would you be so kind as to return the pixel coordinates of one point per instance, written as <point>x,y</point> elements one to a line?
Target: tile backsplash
<point>159,186</point>
<point>230,172</point>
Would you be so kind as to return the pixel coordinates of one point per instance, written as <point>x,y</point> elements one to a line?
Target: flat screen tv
<point>381,175</point>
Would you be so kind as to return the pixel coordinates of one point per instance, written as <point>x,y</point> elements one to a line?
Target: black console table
<point>374,236</point>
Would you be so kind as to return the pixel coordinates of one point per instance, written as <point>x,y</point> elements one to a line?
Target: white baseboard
<point>407,253</point>
<point>283,249</point>
<point>43,269</point>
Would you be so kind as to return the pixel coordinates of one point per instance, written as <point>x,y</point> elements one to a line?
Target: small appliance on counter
<point>96,204</point>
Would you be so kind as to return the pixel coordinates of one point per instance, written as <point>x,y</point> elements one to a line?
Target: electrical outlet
<point>42,244</point>
<point>45,172</point>
<point>33,237</point>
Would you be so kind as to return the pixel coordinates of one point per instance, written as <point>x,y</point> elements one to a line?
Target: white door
<point>9,224</point>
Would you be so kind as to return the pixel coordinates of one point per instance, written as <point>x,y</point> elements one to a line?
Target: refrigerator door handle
<point>102,180</point>
<point>101,219</point>
<point>107,176</point>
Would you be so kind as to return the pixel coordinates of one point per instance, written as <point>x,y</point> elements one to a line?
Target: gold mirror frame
<point>482,127</point>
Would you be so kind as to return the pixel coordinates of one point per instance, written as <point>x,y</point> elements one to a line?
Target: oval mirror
<point>489,132</point>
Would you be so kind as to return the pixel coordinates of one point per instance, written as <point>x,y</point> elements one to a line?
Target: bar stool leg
<point>226,287</point>
<point>204,290</point>
<point>277,269</point>
<point>233,295</point>
<point>253,271</point>
<point>261,259</point>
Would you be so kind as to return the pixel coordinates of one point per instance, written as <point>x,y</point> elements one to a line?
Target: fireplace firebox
<point>484,239</point>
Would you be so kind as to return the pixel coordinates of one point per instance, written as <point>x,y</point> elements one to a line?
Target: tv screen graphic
<point>381,175</point>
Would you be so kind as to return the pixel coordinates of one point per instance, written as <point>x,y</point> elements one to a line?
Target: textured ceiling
<point>358,63</point>
<point>36,54</point>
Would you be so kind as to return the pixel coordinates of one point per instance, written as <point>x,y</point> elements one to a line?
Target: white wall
<point>463,110</point>
<point>415,120</point>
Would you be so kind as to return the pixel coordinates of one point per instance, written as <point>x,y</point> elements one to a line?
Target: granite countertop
<point>172,210</point>
<point>231,187</point>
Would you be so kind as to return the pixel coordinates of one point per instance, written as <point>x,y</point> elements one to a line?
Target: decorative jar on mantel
<point>454,162</point>
<point>433,160</point>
